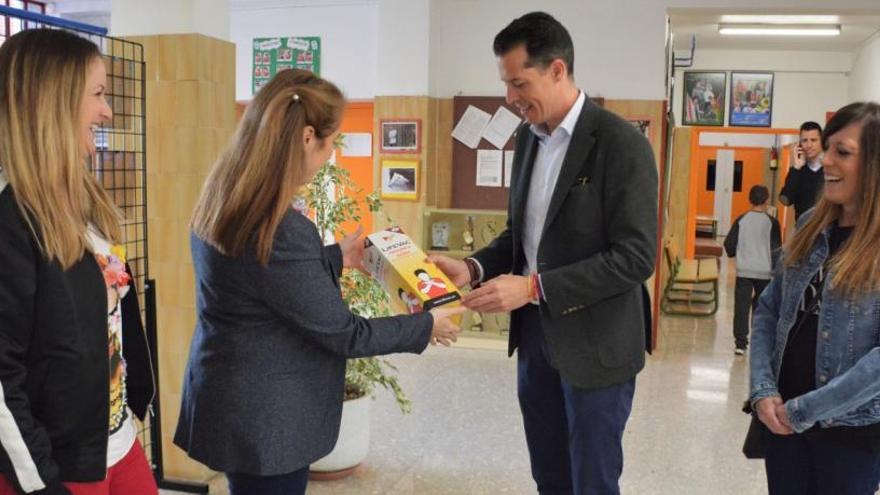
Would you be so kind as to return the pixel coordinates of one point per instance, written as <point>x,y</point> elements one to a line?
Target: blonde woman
<point>263,389</point>
<point>73,356</point>
<point>815,357</point>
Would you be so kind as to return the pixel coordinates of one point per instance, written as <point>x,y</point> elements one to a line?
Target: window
<point>737,176</point>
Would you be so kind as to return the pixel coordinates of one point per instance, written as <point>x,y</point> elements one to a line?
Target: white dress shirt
<point>545,173</point>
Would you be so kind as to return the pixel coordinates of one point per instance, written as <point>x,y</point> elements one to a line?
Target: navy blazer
<point>263,388</point>
<point>597,248</point>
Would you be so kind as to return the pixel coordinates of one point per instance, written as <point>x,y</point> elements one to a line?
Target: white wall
<point>806,84</point>
<point>349,38</point>
<point>404,47</point>
<point>444,47</point>
<point>618,45</point>
<point>139,18</point>
<point>864,80</point>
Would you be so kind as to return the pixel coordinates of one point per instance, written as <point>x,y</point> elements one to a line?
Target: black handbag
<point>755,444</point>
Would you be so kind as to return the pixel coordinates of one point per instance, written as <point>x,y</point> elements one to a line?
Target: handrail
<point>51,21</point>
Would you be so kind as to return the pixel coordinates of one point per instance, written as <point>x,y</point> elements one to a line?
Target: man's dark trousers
<point>574,435</point>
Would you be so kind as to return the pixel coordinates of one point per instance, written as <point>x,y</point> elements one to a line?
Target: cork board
<point>465,191</point>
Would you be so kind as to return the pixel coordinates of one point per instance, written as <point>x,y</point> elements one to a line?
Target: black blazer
<point>597,249</point>
<point>54,366</point>
<point>263,388</point>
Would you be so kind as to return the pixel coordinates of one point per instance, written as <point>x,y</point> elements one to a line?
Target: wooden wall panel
<point>406,214</point>
<point>443,163</point>
<point>679,191</point>
<point>190,118</point>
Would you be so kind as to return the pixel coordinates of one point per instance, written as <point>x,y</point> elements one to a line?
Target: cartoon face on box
<point>413,284</point>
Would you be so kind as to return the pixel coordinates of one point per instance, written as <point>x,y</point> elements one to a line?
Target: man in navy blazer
<point>580,242</point>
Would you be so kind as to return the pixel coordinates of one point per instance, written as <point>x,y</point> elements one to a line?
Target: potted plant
<point>330,201</point>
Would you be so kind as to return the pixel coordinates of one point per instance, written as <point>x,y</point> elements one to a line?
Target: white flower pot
<point>353,442</point>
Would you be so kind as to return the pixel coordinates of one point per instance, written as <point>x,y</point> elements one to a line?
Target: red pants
<point>130,476</point>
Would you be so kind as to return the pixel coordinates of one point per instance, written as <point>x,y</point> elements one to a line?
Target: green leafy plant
<point>331,196</point>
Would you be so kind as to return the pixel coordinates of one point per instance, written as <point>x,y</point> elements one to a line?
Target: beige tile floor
<point>465,433</point>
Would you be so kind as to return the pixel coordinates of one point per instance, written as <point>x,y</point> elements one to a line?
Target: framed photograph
<point>400,136</point>
<point>703,98</point>
<point>751,99</point>
<point>644,125</point>
<point>400,180</point>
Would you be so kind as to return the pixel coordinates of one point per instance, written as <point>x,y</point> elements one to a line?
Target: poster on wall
<point>272,55</point>
<point>704,94</point>
<point>751,99</point>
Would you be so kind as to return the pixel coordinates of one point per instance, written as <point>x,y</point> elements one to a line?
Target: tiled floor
<point>465,433</point>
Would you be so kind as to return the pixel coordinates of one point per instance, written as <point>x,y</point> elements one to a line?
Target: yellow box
<point>413,284</point>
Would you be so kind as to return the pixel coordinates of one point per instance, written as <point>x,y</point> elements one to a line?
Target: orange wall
<point>359,118</point>
<point>753,174</point>
<point>696,186</point>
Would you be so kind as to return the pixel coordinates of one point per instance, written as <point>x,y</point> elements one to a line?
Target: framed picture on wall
<point>400,136</point>
<point>644,125</point>
<point>400,180</point>
<point>751,99</point>
<point>703,98</point>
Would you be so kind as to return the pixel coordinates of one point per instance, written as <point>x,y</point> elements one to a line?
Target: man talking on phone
<point>805,177</point>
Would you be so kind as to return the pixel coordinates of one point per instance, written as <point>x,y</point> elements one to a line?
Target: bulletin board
<point>466,193</point>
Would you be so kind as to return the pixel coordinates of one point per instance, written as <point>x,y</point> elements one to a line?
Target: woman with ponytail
<point>263,389</point>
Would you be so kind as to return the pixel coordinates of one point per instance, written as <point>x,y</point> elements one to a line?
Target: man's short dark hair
<point>811,126</point>
<point>758,195</point>
<point>543,37</point>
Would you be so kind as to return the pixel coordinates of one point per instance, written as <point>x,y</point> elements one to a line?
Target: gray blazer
<point>597,249</point>
<point>263,388</point>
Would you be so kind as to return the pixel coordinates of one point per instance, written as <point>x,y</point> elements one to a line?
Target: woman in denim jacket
<point>815,356</point>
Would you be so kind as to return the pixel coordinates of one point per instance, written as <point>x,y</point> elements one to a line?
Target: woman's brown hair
<point>856,266</point>
<point>253,183</point>
<point>42,84</point>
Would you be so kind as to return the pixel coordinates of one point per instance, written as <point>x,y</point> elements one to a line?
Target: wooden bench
<point>692,288</point>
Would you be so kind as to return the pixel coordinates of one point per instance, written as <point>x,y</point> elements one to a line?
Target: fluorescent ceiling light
<point>780,19</point>
<point>779,30</point>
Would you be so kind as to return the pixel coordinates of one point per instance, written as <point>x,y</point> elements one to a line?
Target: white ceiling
<point>856,27</point>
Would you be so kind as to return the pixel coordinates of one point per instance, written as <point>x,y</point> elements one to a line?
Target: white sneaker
<point>739,351</point>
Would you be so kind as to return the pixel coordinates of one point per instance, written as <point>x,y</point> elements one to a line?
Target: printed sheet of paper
<point>501,127</point>
<point>469,129</point>
<point>508,167</point>
<point>357,144</point>
<point>489,168</point>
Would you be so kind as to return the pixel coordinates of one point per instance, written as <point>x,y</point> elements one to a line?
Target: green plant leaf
<point>364,296</point>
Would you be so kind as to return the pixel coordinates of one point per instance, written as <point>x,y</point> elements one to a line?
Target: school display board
<point>466,193</point>
<point>272,55</point>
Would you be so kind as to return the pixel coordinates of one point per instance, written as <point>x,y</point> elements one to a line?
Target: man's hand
<point>353,250</point>
<point>501,294</point>
<point>767,412</point>
<point>456,270</point>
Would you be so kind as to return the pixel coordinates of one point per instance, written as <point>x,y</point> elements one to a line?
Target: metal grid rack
<point>120,165</point>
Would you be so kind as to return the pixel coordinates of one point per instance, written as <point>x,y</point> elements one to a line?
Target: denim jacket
<point>847,352</point>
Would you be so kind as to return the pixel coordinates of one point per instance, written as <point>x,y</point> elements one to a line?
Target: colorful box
<point>413,284</point>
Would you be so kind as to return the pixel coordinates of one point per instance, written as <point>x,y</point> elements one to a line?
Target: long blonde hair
<point>856,266</point>
<point>42,83</point>
<point>254,181</point>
